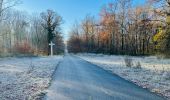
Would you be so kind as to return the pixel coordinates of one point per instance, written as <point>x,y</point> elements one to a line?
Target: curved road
<point>76,79</point>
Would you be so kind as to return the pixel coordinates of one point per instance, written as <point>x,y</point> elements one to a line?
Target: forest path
<point>76,79</point>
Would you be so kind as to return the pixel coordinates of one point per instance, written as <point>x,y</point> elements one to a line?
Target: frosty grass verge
<point>154,73</point>
<point>26,78</point>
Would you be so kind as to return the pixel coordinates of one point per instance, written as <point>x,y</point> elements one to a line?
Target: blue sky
<point>70,10</point>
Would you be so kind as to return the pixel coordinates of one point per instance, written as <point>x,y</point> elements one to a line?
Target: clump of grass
<point>166,75</point>
<point>128,62</point>
<point>138,65</point>
<point>31,66</point>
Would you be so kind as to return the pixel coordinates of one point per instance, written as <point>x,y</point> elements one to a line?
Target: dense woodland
<point>120,28</point>
<point>123,28</point>
<point>22,33</point>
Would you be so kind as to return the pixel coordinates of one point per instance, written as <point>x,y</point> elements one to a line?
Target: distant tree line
<point>124,29</point>
<point>22,33</point>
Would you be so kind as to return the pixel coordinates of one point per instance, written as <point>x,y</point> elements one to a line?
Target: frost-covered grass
<point>26,78</point>
<point>154,73</point>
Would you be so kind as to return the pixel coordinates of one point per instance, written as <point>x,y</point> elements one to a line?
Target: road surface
<point>76,79</point>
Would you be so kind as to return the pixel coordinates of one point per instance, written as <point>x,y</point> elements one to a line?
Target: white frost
<point>154,74</point>
<point>26,78</point>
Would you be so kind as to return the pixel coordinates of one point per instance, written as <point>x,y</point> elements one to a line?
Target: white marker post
<point>51,45</point>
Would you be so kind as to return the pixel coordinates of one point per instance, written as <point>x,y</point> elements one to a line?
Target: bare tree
<point>38,35</point>
<point>75,41</point>
<point>51,22</point>
<point>5,5</point>
<point>123,6</point>
<point>88,27</point>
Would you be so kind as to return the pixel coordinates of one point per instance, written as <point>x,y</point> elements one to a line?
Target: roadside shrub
<point>128,62</point>
<point>166,75</point>
<point>23,48</point>
<point>31,67</point>
<point>138,65</point>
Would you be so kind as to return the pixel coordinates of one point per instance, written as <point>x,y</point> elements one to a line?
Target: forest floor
<point>154,73</point>
<point>26,78</point>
